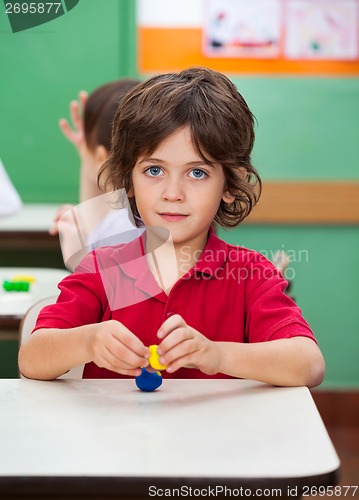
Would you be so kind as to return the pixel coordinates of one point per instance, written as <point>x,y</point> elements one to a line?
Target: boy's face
<point>176,190</point>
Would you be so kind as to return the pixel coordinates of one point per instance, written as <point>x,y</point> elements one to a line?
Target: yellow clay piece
<point>154,359</point>
<point>24,277</point>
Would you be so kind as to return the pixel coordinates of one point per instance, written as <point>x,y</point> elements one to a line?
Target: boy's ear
<point>228,198</point>
<point>101,154</point>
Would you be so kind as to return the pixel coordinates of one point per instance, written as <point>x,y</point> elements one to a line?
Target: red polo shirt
<point>232,294</point>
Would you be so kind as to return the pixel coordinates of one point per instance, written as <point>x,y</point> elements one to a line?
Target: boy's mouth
<point>172,216</point>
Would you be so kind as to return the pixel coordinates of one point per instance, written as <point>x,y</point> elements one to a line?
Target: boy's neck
<point>169,261</point>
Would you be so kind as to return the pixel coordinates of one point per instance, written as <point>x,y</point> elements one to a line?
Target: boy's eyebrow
<point>192,163</point>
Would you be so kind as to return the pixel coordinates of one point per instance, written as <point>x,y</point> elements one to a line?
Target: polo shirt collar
<point>133,261</point>
<point>213,256</point>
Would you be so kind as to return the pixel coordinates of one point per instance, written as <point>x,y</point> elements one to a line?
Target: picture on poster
<point>325,29</point>
<point>238,28</point>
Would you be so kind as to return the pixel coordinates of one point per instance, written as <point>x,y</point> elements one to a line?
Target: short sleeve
<point>82,300</point>
<point>270,313</point>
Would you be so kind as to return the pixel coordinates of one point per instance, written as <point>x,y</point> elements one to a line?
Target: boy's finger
<point>178,351</point>
<point>173,322</point>
<point>53,230</point>
<point>130,340</point>
<point>119,356</point>
<point>66,129</point>
<point>63,124</point>
<point>111,363</point>
<point>75,115</point>
<point>83,96</point>
<point>183,362</point>
<point>178,335</point>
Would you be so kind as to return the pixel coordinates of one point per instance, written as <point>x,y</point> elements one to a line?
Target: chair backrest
<point>281,261</point>
<point>27,325</point>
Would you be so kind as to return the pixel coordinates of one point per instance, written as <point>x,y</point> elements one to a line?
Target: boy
<point>181,149</point>
<point>91,136</point>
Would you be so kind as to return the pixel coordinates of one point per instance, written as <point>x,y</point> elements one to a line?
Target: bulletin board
<point>300,37</point>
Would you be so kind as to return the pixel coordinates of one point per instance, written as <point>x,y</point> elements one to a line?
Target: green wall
<point>42,69</point>
<point>307,129</point>
<point>325,274</point>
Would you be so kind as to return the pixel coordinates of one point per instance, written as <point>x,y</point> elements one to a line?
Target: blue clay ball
<point>148,381</point>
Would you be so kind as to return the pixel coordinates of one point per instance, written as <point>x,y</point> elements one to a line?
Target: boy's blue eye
<point>197,173</point>
<point>154,171</point>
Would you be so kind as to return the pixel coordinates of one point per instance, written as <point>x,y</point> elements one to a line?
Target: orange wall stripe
<point>162,49</point>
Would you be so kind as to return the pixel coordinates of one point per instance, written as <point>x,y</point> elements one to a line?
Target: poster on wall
<point>326,29</point>
<point>238,28</point>
<point>292,29</point>
<point>307,37</point>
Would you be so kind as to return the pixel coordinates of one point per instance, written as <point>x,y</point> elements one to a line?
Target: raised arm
<point>74,133</point>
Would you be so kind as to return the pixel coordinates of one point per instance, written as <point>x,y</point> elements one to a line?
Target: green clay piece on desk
<point>16,286</point>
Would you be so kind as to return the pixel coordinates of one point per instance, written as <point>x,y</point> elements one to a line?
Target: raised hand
<point>75,132</point>
<point>60,212</point>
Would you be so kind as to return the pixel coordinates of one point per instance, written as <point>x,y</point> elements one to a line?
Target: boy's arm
<point>295,361</point>
<point>88,182</point>
<point>75,134</point>
<point>49,353</point>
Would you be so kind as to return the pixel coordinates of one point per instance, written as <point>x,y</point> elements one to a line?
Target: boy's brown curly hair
<point>221,124</point>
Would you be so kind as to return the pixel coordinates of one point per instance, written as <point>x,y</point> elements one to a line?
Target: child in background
<point>10,201</point>
<point>181,148</point>
<point>91,136</point>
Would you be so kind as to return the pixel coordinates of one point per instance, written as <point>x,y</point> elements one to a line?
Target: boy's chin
<point>159,232</point>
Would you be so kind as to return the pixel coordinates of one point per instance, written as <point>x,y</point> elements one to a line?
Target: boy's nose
<point>173,191</point>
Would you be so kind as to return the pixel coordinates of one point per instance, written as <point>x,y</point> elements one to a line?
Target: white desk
<point>25,238</point>
<point>32,217</point>
<point>29,227</point>
<point>13,305</point>
<point>104,437</point>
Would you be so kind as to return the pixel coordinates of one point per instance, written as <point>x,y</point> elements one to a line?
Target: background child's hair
<point>222,128</point>
<point>100,110</point>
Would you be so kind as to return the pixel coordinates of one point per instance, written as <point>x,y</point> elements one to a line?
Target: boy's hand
<point>183,346</point>
<point>112,346</point>
<point>75,133</point>
<point>60,212</point>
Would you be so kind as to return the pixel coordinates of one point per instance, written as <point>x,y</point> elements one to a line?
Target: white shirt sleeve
<point>10,201</point>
